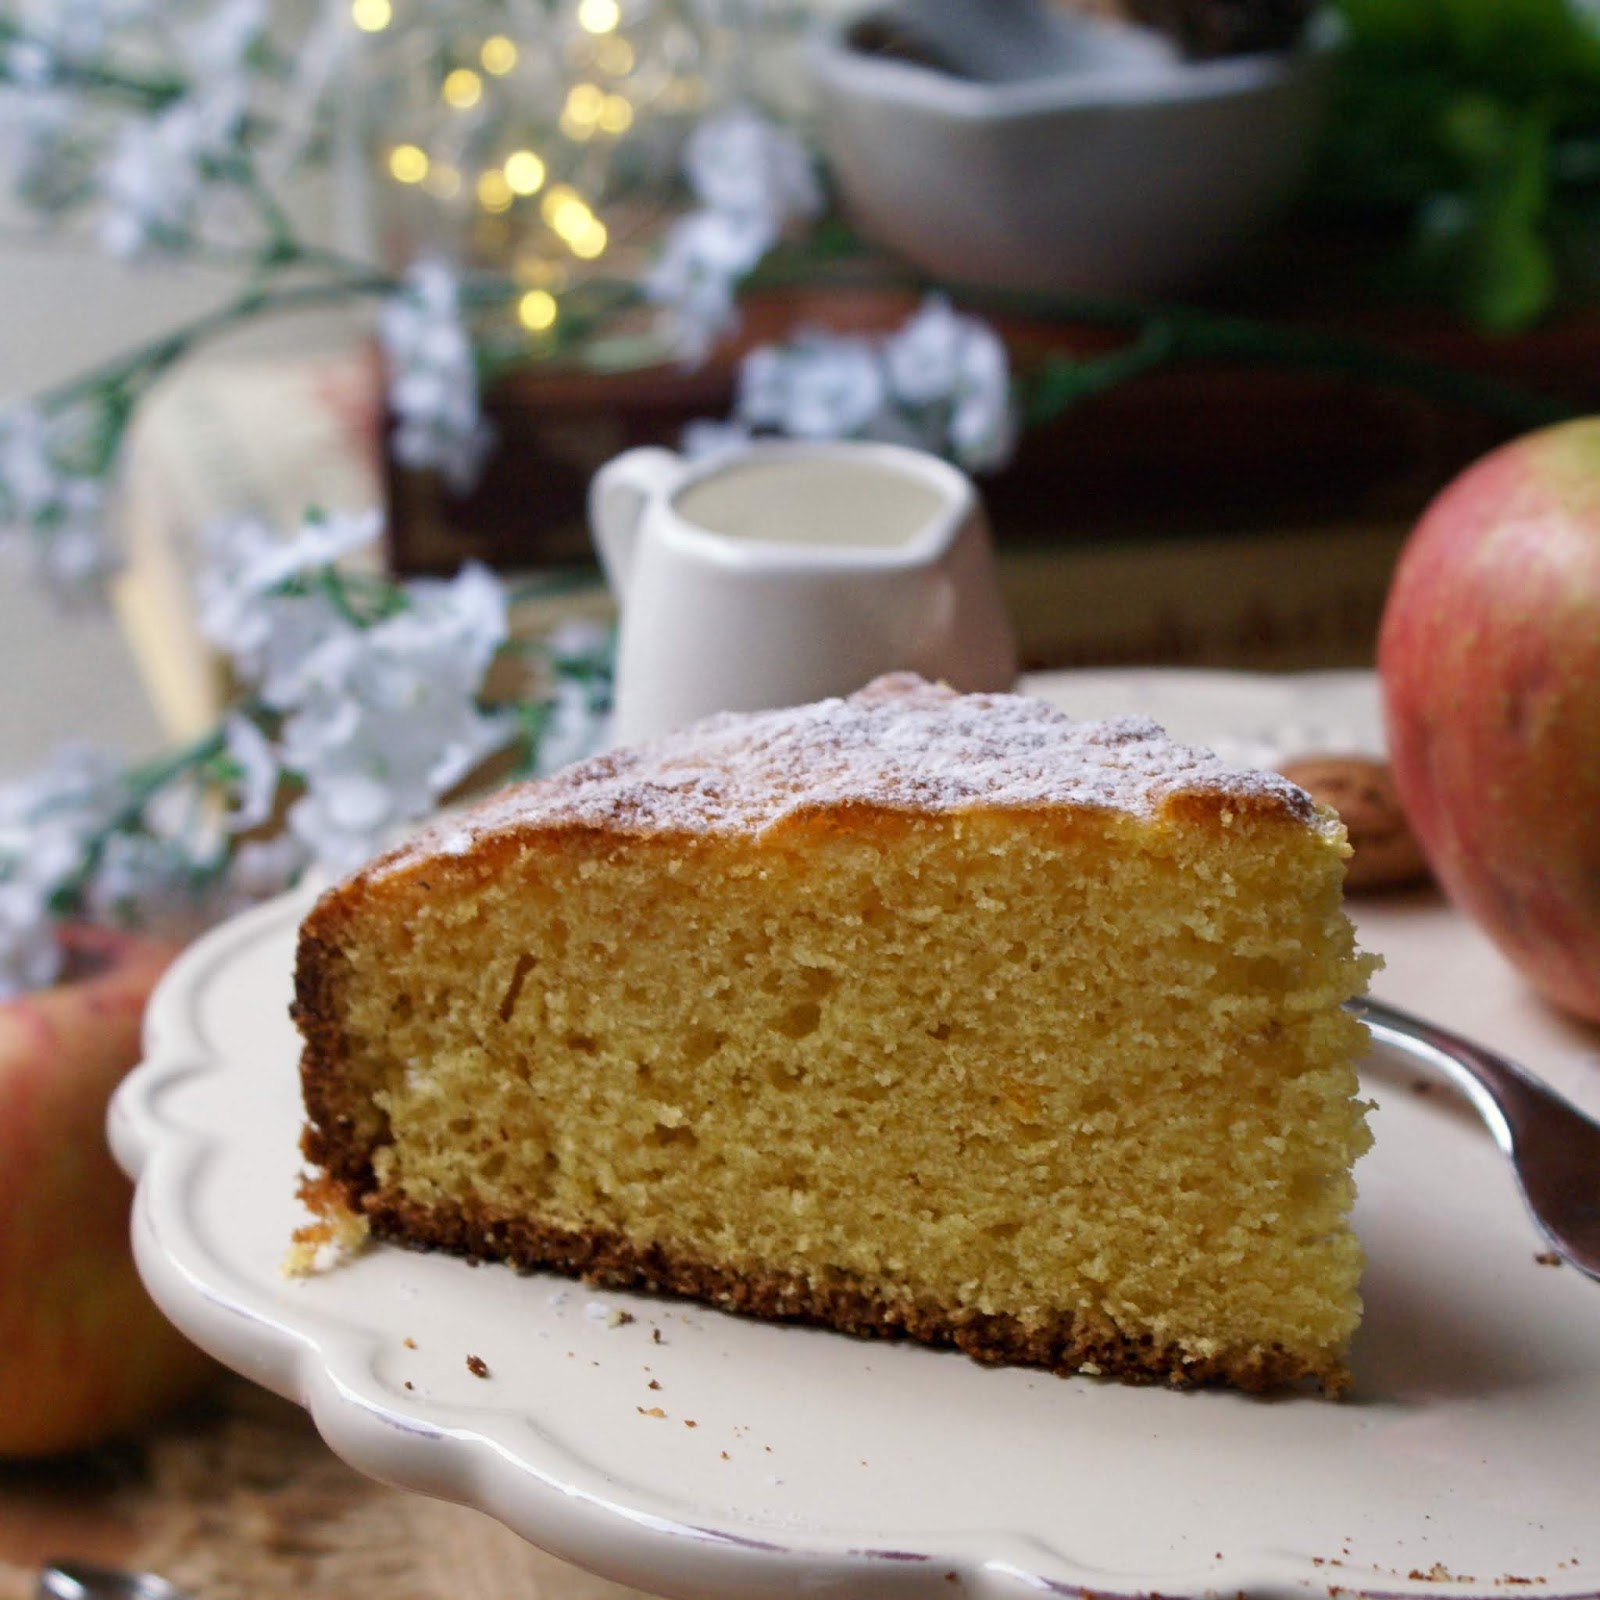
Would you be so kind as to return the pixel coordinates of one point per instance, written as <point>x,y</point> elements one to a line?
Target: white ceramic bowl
<point>1138,175</point>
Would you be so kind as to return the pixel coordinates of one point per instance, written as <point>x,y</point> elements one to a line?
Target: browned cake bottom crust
<point>1067,1345</point>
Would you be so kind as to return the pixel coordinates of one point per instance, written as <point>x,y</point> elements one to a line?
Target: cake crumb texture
<point>336,1232</point>
<point>1063,1082</point>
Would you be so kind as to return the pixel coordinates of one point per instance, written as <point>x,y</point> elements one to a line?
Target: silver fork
<point>1553,1147</point>
<point>80,1580</point>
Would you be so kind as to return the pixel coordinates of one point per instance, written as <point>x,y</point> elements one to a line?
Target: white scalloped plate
<point>787,1461</point>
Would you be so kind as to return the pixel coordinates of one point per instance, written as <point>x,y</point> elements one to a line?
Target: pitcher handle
<point>618,494</point>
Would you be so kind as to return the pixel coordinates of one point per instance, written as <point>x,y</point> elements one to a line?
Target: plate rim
<point>328,1370</point>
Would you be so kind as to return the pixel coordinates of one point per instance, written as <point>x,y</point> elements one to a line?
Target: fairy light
<point>571,220</point>
<point>498,55</point>
<point>525,172</point>
<point>584,101</point>
<point>408,163</point>
<point>589,241</point>
<point>462,90</point>
<point>371,16</point>
<point>581,113</point>
<point>599,16</point>
<point>616,114</point>
<point>494,193</point>
<point>566,211</point>
<point>536,310</point>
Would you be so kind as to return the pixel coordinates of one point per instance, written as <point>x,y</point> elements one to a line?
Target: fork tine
<point>1554,1148</point>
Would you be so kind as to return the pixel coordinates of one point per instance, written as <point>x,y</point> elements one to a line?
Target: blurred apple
<point>1489,656</point>
<point>84,1354</point>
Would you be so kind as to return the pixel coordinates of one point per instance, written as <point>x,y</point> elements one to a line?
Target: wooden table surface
<point>237,1498</point>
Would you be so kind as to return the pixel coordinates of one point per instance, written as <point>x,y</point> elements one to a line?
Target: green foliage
<point>1475,120</point>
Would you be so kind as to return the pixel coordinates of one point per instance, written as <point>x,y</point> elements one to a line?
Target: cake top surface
<point>898,744</point>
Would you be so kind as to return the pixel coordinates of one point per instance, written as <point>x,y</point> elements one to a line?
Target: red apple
<point>84,1354</point>
<point>1489,655</point>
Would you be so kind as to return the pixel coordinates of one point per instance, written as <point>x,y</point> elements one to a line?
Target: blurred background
<point>1262,276</point>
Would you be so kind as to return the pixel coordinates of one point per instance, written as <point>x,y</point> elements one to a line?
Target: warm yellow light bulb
<point>599,16</point>
<point>408,163</point>
<point>565,210</point>
<point>580,116</point>
<point>499,55</point>
<point>616,114</point>
<point>589,241</point>
<point>536,310</point>
<point>584,102</point>
<point>463,89</point>
<point>524,172</point>
<point>494,193</point>
<point>371,16</point>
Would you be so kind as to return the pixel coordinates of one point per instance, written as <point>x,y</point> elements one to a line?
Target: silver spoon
<point>79,1580</point>
<point>1553,1147</point>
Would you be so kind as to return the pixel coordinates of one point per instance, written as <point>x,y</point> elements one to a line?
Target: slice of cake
<point>913,1013</point>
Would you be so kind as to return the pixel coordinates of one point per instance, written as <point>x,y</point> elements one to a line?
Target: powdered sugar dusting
<point>899,744</point>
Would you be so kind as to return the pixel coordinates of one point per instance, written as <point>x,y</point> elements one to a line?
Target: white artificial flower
<point>741,164</point>
<point>38,128</point>
<point>752,178</point>
<point>160,165</point>
<point>385,720</point>
<point>79,787</point>
<point>147,880</point>
<point>576,726</point>
<point>28,64</point>
<point>73,32</point>
<point>251,752</point>
<point>941,358</point>
<point>368,773</point>
<point>218,42</point>
<point>941,383</point>
<point>271,635</point>
<point>47,820</point>
<point>762,394</point>
<point>580,641</point>
<point>577,722</point>
<point>256,559</point>
<point>30,955</point>
<point>30,480</point>
<point>983,421</point>
<point>704,438</point>
<point>74,557</point>
<point>694,278</point>
<point>924,357</point>
<point>264,867</point>
<point>433,378</point>
<point>473,605</point>
<point>56,515</point>
<point>819,387</point>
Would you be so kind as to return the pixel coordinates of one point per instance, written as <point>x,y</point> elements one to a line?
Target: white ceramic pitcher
<point>787,571</point>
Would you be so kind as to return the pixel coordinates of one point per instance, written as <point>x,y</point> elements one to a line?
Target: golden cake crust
<point>899,745</point>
